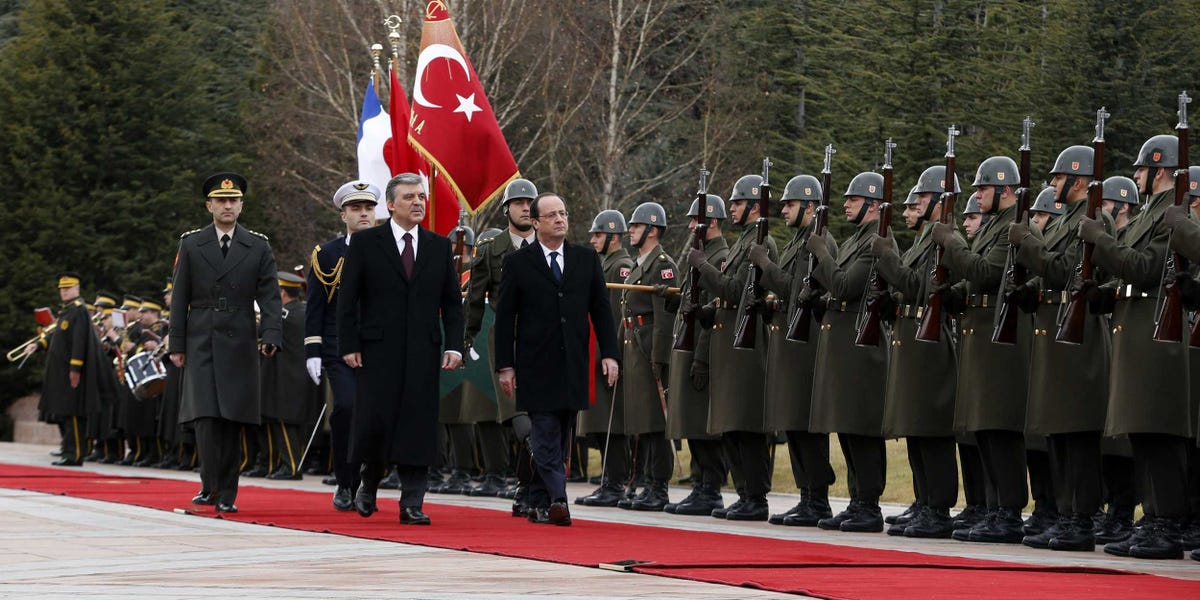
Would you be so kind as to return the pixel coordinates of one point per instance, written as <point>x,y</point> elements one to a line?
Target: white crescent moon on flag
<point>428,55</point>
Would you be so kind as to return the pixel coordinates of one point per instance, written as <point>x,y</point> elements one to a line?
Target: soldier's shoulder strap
<point>187,233</point>
<point>261,235</point>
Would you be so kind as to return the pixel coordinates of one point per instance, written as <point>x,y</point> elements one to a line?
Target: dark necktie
<point>225,245</point>
<point>554,269</point>
<point>406,257</point>
<point>524,243</point>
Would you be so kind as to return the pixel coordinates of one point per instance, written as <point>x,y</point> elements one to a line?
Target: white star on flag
<point>467,106</point>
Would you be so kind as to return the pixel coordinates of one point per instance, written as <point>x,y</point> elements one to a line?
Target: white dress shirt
<point>516,239</point>
<point>398,233</point>
<point>559,259</point>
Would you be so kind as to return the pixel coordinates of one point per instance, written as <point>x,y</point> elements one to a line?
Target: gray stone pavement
<point>59,547</point>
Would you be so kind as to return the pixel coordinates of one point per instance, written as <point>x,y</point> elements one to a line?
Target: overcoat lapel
<point>239,249</point>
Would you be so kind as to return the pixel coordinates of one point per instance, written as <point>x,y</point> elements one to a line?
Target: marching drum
<point>145,375</point>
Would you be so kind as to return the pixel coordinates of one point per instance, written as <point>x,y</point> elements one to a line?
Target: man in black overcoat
<point>553,288</point>
<point>398,281</point>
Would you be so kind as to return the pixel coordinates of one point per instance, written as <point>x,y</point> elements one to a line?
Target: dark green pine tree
<point>107,129</point>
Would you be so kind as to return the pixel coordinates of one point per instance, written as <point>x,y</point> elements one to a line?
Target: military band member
<point>355,202</point>
<point>993,378</point>
<point>737,402</point>
<point>70,387</point>
<point>1068,384</point>
<point>289,397</point>
<point>102,425</point>
<point>647,324</point>
<point>141,422</point>
<point>687,412</point>
<point>1152,410</point>
<point>850,381</point>
<point>921,409</point>
<point>790,363</point>
<point>221,270</point>
<point>179,442</point>
<point>604,422</point>
<point>483,291</point>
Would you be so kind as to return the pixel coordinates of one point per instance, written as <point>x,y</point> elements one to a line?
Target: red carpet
<point>821,570</point>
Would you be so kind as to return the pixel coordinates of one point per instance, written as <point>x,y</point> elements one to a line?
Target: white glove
<point>314,369</point>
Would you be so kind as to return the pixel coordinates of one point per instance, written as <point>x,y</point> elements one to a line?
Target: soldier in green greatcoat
<point>687,411</point>
<point>1068,384</point>
<point>1153,410</point>
<point>647,320</point>
<point>790,363</point>
<point>604,423</point>
<point>921,409</point>
<point>993,412</point>
<point>736,407</point>
<point>851,380</point>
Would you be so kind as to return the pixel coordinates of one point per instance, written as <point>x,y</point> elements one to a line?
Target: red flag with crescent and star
<point>452,122</point>
<point>442,210</point>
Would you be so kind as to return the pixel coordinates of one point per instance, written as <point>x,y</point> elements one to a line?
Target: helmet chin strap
<point>745,215</point>
<point>642,238</point>
<point>862,211</point>
<point>1061,198</point>
<point>997,191</point>
<point>608,238</point>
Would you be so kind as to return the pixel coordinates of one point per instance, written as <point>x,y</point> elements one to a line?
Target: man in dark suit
<point>220,271</point>
<point>556,287</point>
<point>397,281</point>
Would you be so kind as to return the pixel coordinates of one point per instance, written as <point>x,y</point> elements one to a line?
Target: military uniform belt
<point>221,305</point>
<point>1128,292</point>
<point>979,301</point>
<point>841,306</point>
<point>1054,297</point>
<point>727,306</point>
<point>639,320</point>
<point>911,311</point>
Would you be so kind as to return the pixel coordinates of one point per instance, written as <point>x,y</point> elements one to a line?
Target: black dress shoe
<point>1075,537</point>
<point>867,519</point>
<point>706,500</point>
<point>1195,554</point>
<point>1002,527</point>
<point>283,474</point>
<point>329,480</point>
<point>834,523</point>
<point>203,498</point>
<point>256,472</point>
<point>753,509</point>
<point>539,516</point>
<point>626,503</point>
<point>1160,543</point>
<point>1042,540</point>
<point>777,519</point>
<point>1121,548</point>
<point>226,507</point>
<point>94,456</point>
<point>1039,522</point>
<point>722,512</point>
<point>607,495</point>
<point>520,510</point>
<point>808,516</point>
<point>559,514</point>
<point>907,515</point>
<point>655,498</point>
<point>413,516</point>
<point>364,500</point>
<point>935,524</point>
<point>147,462</point>
<point>490,487</point>
<point>67,462</point>
<point>343,500</point>
<point>391,482</point>
<point>970,516</point>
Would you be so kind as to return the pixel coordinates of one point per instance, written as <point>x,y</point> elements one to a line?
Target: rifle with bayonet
<point>685,327</point>
<point>930,329</point>
<point>801,320</point>
<point>1073,317</point>
<point>870,327</point>
<point>1168,326</point>
<point>1007,311</point>
<point>751,307</point>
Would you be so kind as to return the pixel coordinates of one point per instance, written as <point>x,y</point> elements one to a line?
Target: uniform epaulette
<point>251,231</point>
<point>187,233</point>
<point>317,248</point>
<point>77,302</point>
<point>484,242</point>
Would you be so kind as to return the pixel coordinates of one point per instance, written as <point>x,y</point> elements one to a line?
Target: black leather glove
<point>705,316</point>
<point>660,290</point>
<point>1026,297</point>
<point>699,376</point>
<point>1189,288</point>
<point>1103,302</point>
<point>1087,287</point>
<point>952,300</point>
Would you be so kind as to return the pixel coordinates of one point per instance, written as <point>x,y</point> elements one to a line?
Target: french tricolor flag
<point>374,131</point>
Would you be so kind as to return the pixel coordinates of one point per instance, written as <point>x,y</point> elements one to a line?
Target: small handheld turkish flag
<point>452,122</point>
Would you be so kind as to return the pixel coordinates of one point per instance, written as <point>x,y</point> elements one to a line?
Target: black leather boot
<point>834,523</point>
<point>934,523</point>
<point>753,509</point>
<point>1042,540</point>
<point>868,519</point>
<point>706,500</point>
<point>655,499</point>
<point>607,495</point>
<point>907,515</point>
<point>1077,537</point>
<point>1162,542</point>
<point>1004,527</point>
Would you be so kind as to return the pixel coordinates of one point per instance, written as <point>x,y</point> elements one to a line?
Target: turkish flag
<point>402,157</point>
<point>452,123</point>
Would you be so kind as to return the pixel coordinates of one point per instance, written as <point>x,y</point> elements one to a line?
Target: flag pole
<point>376,53</point>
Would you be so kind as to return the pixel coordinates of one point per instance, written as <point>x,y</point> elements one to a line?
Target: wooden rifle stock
<point>685,332</point>
<point>745,332</point>
<point>930,329</point>
<point>1007,311</point>
<point>871,329</point>
<point>1168,327</point>
<point>1074,315</point>
<point>801,320</point>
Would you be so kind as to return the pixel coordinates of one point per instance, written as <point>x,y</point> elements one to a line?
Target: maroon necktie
<point>406,257</point>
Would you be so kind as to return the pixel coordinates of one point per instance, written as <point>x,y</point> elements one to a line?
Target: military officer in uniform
<point>647,323</point>
<point>1152,410</point>
<point>921,409</point>
<point>604,423</point>
<point>850,381</point>
<point>221,270</point>
<point>687,412</point>
<point>736,402</point>
<point>993,412</point>
<point>355,202</point>
<point>789,389</point>
<point>70,384</point>
<point>1068,384</point>
<point>142,421</point>
<point>483,290</point>
<point>290,398</point>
